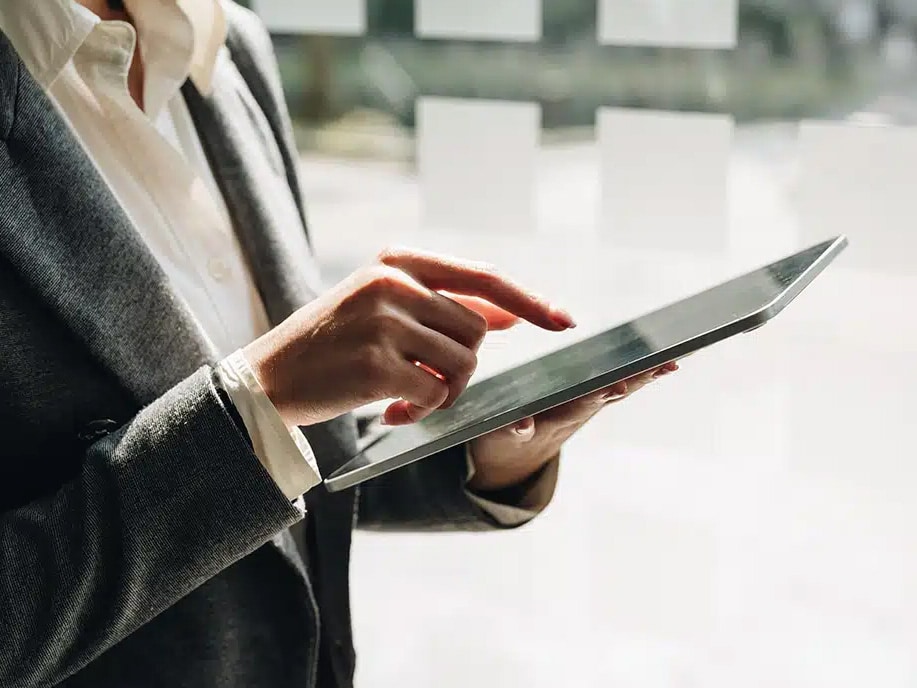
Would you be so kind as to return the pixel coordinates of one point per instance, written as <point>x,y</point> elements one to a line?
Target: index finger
<point>477,279</point>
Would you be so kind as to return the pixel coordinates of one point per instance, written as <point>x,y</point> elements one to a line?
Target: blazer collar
<point>48,33</point>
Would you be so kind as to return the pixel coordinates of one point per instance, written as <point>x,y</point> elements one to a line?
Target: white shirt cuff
<point>284,452</point>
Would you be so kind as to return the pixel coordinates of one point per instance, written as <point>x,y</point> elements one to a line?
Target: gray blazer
<point>141,541</point>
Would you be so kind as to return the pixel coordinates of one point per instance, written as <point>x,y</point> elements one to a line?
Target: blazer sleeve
<point>160,506</point>
<point>427,495</point>
<point>432,495</point>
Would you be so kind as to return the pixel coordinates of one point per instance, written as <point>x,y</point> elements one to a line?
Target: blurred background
<point>750,521</point>
<point>791,59</point>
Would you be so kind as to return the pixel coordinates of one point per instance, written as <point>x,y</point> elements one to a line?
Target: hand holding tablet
<point>508,457</point>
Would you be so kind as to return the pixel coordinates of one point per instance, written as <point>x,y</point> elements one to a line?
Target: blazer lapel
<point>67,236</point>
<point>249,169</point>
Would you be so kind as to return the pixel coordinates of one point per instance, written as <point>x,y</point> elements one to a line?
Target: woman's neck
<point>105,10</point>
<point>110,10</point>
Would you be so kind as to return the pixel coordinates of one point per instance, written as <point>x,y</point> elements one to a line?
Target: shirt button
<point>218,269</point>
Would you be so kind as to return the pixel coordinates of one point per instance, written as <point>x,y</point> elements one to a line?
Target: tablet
<point>739,305</point>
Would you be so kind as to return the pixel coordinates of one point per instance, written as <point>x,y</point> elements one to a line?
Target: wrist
<point>515,492</point>
<point>504,474</point>
<point>264,368</point>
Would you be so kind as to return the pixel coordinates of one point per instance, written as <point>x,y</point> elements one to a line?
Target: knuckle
<point>455,391</point>
<point>374,363</point>
<point>468,363</point>
<point>383,326</point>
<point>477,324</point>
<point>430,395</point>
<point>390,254</point>
<point>382,281</point>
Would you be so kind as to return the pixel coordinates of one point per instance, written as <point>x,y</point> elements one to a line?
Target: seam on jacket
<point>16,91</point>
<point>17,85</point>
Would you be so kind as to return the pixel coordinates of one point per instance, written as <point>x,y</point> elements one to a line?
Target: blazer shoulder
<point>10,66</point>
<point>252,50</point>
<point>246,29</point>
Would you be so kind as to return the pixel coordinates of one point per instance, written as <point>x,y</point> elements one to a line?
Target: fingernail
<point>563,318</point>
<point>523,433</point>
<point>612,396</point>
<point>619,392</point>
<point>524,427</point>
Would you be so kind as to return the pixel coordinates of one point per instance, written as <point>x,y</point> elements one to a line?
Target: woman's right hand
<point>386,332</point>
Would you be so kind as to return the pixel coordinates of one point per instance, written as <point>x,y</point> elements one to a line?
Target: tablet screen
<point>602,360</point>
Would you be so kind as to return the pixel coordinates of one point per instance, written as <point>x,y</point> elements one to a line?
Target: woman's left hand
<point>507,457</point>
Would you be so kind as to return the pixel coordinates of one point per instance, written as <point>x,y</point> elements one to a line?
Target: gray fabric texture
<point>141,542</point>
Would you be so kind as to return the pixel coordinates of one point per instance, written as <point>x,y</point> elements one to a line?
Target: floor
<point>749,522</point>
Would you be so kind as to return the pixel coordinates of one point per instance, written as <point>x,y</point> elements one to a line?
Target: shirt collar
<point>47,34</point>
